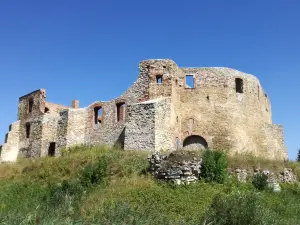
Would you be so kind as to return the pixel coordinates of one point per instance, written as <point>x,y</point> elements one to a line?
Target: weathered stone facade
<point>223,108</point>
<point>185,168</point>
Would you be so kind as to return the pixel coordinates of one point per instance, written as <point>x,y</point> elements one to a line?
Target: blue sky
<point>90,50</point>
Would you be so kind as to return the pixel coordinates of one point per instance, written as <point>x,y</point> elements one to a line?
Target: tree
<point>298,155</point>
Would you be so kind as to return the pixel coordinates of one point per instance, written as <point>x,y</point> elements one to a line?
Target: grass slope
<point>98,185</point>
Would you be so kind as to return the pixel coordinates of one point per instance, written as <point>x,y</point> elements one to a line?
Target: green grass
<point>99,185</point>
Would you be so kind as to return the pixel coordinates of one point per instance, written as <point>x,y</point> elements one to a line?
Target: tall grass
<point>100,185</point>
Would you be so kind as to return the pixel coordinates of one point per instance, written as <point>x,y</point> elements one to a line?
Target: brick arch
<point>194,142</point>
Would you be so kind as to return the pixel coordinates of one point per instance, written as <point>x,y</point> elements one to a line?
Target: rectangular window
<point>159,79</point>
<point>51,149</point>
<point>98,115</point>
<point>189,81</point>
<point>121,111</point>
<point>30,105</point>
<point>239,85</point>
<point>27,130</point>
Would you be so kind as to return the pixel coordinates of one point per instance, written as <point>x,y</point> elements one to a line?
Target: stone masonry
<point>221,108</point>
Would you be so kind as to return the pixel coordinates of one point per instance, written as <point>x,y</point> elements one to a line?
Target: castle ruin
<point>167,108</point>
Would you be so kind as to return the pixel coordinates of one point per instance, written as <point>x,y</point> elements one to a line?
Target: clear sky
<point>90,50</point>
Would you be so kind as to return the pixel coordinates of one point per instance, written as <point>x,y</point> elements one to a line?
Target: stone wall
<point>185,167</point>
<point>10,149</point>
<point>225,109</point>
<point>49,132</point>
<point>224,118</point>
<point>140,126</point>
<point>164,125</point>
<point>76,127</point>
<point>54,108</point>
<point>62,131</point>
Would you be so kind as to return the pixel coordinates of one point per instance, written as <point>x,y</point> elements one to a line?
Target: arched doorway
<point>194,142</point>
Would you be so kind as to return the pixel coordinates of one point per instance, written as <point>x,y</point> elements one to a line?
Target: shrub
<point>237,208</point>
<point>94,173</point>
<point>123,213</point>
<point>260,181</point>
<point>214,166</point>
<point>298,156</point>
<point>59,191</point>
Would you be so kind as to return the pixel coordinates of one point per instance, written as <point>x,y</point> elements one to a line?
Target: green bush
<point>124,213</point>
<point>238,209</point>
<point>94,173</point>
<point>58,192</point>
<point>214,166</point>
<point>260,181</point>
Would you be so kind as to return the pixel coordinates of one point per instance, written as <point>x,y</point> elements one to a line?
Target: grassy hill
<point>99,185</point>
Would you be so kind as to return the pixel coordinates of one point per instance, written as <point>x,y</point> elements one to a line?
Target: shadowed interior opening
<point>194,142</point>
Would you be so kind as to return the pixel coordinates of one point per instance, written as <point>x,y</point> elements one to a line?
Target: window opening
<point>51,149</point>
<point>98,115</point>
<point>30,105</point>
<point>159,79</point>
<point>27,130</point>
<point>121,111</point>
<point>189,81</point>
<point>239,85</point>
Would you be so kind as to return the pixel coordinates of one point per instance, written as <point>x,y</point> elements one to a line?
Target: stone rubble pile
<point>241,175</point>
<point>287,176</point>
<point>185,171</point>
<point>179,172</point>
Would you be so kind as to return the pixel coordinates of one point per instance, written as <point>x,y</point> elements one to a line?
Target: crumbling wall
<point>164,125</point>
<point>71,127</point>
<point>215,111</point>
<point>32,105</point>
<point>62,131</point>
<point>140,126</point>
<point>54,108</point>
<point>49,132</point>
<point>76,126</point>
<point>273,143</point>
<point>160,112</point>
<point>149,126</point>
<point>10,149</point>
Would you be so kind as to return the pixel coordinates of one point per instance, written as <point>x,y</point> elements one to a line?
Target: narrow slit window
<point>177,142</point>
<point>159,79</point>
<point>98,115</point>
<point>189,81</point>
<point>27,130</point>
<point>30,105</point>
<point>239,85</point>
<point>51,149</point>
<point>121,107</point>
